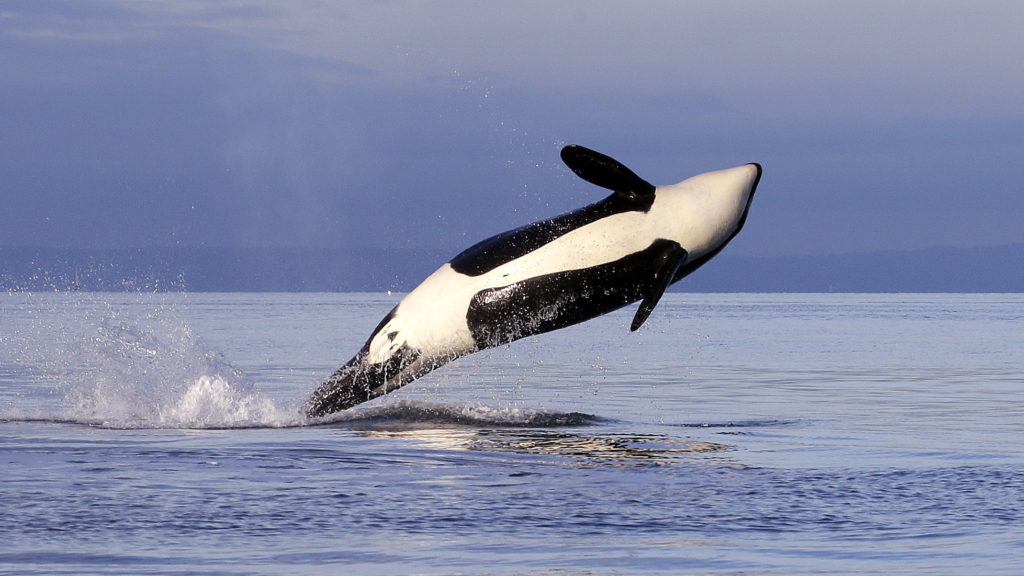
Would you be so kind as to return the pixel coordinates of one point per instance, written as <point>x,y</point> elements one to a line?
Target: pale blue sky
<point>880,125</point>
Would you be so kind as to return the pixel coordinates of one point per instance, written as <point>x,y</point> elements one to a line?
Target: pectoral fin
<point>605,172</point>
<point>669,260</point>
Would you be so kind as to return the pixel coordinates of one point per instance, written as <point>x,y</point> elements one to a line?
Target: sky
<point>886,125</point>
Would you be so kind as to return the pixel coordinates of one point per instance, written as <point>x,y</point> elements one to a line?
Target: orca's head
<point>726,194</point>
<point>706,211</point>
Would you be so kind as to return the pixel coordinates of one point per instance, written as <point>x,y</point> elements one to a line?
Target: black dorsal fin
<point>605,171</point>
<point>672,256</point>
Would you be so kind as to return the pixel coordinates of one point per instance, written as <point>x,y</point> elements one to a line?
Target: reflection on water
<point>581,447</point>
<point>651,448</point>
<point>474,427</point>
<point>419,415</point>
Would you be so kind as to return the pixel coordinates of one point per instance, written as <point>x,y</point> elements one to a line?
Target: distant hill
<point>992,269</point>
<point>989,269</point>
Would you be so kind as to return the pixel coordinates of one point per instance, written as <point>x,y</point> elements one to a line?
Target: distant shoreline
<point>998,269</point>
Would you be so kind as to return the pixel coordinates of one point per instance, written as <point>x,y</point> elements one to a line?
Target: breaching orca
<point>551,274</point>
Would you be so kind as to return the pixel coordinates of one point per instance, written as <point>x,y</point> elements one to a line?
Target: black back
<point>632,193</point>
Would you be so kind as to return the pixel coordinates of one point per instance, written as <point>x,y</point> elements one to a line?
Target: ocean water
<point>733,434</point>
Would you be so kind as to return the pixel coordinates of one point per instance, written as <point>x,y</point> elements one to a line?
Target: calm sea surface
<point>733,434</point>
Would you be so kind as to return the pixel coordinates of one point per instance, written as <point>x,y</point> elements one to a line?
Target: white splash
<point>118,367</point>
<point>214,402</point>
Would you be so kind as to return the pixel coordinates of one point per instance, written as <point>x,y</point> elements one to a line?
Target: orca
<point>626,248</point>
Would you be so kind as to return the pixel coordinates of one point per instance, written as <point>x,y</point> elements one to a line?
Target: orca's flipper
<point>669,260</point>
<point>605,172</point>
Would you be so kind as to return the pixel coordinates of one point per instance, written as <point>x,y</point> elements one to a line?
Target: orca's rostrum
<point>551,274</point>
